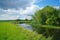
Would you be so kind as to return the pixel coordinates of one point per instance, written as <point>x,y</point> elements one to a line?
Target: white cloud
<point>29,10</point>
<point>26,8</point>
<point>21,13</point>
<point>57,7</point>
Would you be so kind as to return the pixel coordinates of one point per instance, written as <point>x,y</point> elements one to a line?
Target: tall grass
<point>9,31</point>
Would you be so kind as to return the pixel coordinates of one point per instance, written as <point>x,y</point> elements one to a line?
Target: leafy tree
<point>47,16</point>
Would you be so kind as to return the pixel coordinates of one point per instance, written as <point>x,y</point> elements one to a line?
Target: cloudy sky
<point>23,9</point>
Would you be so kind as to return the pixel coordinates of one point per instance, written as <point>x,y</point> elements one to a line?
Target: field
<point>9,31</point>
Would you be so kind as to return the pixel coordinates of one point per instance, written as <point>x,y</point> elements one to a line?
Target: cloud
<point>18,9</point>
<point>7,17</point>
<point>9,4</point>
<point>26,8</point>
<point>18,14</point>
<point>57,7</point>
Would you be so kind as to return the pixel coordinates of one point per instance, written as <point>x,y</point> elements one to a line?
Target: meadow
<point>9,31</point>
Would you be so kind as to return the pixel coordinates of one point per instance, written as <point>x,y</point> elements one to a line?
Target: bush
<point>48,30</point>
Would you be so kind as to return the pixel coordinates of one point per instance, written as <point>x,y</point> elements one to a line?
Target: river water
<point>26,26</point>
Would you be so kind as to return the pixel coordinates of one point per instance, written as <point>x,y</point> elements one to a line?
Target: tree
<point>47,16</point>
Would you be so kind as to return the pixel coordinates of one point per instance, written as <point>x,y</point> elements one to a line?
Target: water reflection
<point>26,26</point>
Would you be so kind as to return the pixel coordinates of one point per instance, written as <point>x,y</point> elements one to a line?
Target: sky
<point>23,9</point>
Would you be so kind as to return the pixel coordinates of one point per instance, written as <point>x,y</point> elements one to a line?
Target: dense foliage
<point>9,31</point>
<point>46,22</point>
<point>47,16</point>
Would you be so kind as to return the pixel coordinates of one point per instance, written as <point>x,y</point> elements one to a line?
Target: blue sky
<point>23,9</point>
<point>43,3</point>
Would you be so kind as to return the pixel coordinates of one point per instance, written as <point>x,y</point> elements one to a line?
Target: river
<point>26,26</point>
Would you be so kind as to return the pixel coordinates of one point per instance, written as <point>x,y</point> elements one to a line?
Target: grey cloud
<point>8,4</point>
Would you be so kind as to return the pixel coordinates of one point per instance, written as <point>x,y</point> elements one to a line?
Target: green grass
<point>9,31</point>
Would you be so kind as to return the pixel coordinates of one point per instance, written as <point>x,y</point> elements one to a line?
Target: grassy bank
<point>9,31</point>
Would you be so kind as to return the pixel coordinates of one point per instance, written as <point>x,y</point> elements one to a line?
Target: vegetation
<point>9,31</point>
<point>16,21</point>
<point>47,22</point>
<point>47,16</point>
